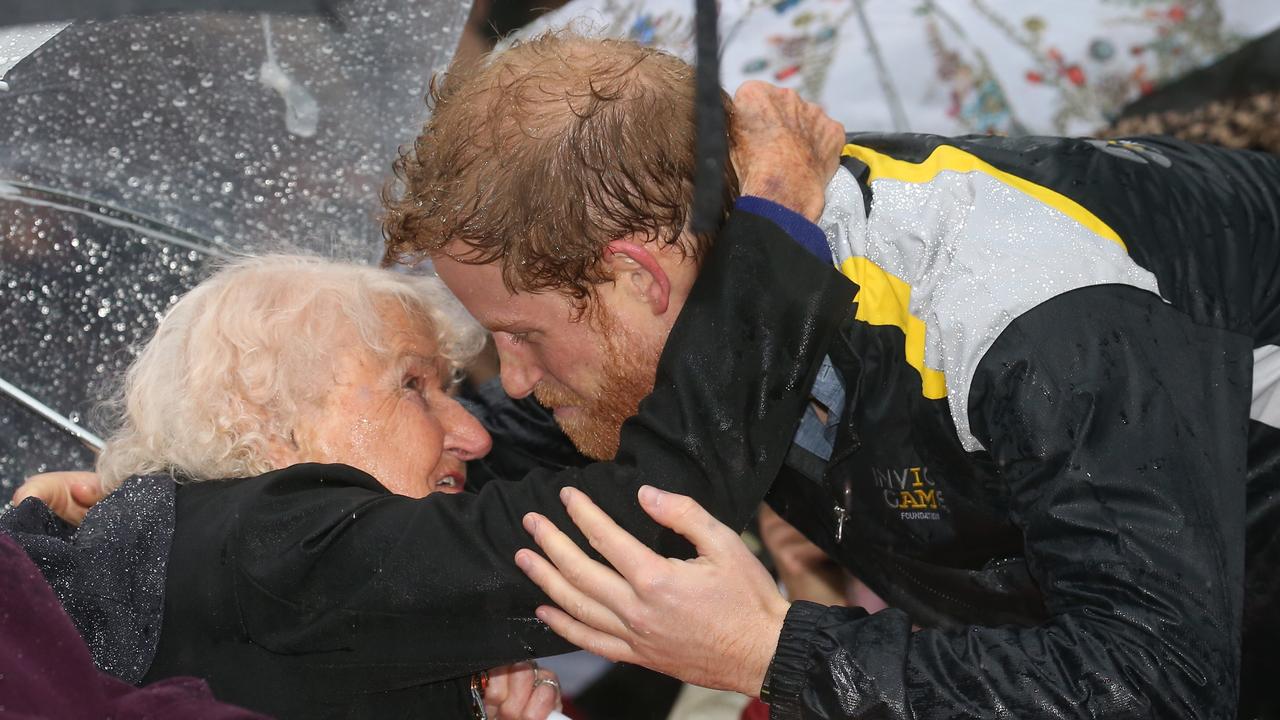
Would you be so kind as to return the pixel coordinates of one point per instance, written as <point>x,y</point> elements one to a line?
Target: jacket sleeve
<point>1119,427</point>
<point>414,589</point>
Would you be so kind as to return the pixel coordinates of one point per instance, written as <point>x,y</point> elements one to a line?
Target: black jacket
<point>314,592</point>
<point>1053,421</point>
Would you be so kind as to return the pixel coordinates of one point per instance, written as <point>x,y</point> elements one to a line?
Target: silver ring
<point>546,680</point>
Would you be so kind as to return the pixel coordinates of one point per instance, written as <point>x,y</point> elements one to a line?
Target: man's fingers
<point>627,555</point>
<point>594,641</point>
<point>576,602</point>
<point>584,573</point>
<point>686,517</point>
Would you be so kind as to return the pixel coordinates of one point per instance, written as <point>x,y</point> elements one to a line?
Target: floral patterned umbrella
<point>949,66</point>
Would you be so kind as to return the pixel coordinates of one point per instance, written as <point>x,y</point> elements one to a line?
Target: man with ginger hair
<point>1034,435</point>
<point>599,248</point>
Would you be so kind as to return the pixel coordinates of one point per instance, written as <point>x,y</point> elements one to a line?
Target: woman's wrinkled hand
<point>712,621</point>
<point>521,691</point>
<point>784,149</point>
<point>805,570</point>
<point>69,494</point>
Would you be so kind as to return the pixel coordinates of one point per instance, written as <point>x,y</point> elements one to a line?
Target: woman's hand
<point>69,494</point>
<point>804,569</point>
<point>522,691</point>
<point>784,149</point>
<point>712,621</point>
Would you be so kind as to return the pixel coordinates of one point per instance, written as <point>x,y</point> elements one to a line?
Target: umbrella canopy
<point>136,152</point>
<point>19,12</point>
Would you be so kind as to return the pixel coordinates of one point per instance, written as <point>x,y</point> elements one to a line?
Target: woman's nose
<point>464,436</point>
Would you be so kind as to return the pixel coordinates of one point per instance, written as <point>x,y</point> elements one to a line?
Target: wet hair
<point>246,353</point>
<point>538,156</point>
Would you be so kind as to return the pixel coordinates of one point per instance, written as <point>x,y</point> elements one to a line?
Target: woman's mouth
<point>452,482</point>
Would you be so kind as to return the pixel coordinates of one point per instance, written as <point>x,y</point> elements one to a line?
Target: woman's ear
<point>636,270</point>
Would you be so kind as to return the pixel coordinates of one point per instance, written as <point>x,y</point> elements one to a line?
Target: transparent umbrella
<point>134,153</point>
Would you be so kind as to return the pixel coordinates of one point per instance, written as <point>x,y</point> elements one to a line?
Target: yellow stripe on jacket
<point>948,158</point>
<point>886,300</point>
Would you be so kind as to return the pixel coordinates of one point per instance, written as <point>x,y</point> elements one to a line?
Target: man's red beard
<point>626,377</point>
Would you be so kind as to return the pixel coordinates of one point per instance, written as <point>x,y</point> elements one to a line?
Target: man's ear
<point>635,269</point>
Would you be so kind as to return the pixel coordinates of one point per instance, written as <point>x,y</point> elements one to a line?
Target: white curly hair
<point>236,360</point>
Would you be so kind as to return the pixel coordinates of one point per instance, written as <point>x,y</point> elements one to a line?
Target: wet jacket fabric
<point>313,592</point>
<point>109,573</point>
<point>1058,450</point>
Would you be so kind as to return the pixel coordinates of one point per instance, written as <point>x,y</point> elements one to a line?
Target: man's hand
<point>712,621</point>
<point>784,149</point>
<point>68,494</point>
<point>522,691</point>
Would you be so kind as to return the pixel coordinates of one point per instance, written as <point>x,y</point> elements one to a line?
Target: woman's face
<point>392,415</point>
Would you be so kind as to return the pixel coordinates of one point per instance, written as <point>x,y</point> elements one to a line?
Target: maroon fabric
<point>755,710</point>
<point>46,670</point>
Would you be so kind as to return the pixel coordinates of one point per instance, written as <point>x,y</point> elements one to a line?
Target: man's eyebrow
<point>506,325</point>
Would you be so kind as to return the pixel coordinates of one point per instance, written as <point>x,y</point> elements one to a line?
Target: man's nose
<point>518,371</point>
<point>464,436</point>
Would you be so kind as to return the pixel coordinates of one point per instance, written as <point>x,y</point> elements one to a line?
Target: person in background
<point>46,670</point>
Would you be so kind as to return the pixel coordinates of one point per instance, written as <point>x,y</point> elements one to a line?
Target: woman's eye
<point>518,338</point>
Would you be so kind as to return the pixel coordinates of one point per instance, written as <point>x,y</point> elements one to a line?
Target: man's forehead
<point>470,281</point>
<point>520,311</point>
<point>486,297</point>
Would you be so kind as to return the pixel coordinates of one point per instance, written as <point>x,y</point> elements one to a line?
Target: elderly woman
<point>273,363</point>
